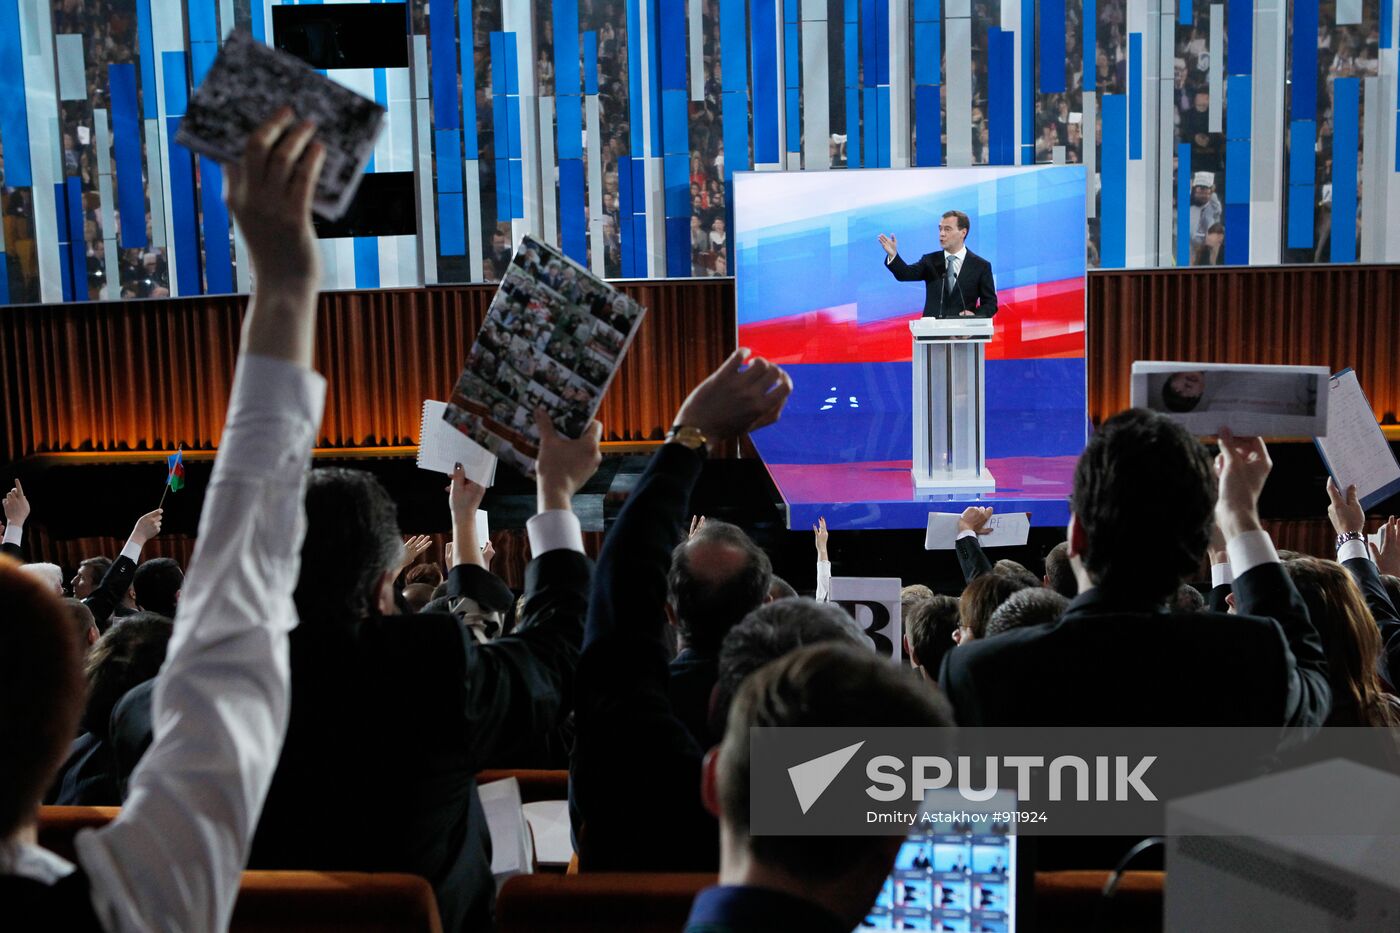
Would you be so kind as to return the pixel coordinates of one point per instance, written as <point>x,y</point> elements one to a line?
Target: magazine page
<point>1249,400</point>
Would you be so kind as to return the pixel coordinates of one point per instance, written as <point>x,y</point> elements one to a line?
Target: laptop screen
<point>959,875</point>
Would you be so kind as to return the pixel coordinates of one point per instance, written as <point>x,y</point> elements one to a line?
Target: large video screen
<point>814,294</point>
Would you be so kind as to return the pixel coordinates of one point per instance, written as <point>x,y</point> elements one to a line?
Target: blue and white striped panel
<point>675,133</point>
<point>45,150</point>
<point>928,76</point>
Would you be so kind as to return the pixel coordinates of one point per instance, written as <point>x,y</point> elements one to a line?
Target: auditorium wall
<point>614,127</point>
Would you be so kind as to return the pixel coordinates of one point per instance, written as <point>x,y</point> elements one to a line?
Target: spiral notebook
<point>441,446</point>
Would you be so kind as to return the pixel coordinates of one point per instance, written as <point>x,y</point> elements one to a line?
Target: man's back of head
<point>50,574</point>
<point>84,623</point>
<point>352,541</point>
<point>1059,575</point>
<point>770,632</point>
<point>823,685</point>
<point>718,576</point>
<point>130,653</point>
<point>41,693</point>
<point>929,625</point>
<point>1031,606</point>
<point>157,584</point>
<point>1016,571</point>
<point>1143,502</point>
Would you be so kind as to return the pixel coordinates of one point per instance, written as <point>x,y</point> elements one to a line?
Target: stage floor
<point>843,447</point>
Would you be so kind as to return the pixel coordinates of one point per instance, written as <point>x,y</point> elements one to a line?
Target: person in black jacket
<point>1141,515</point>
<point>1362,561</point>
<point>957,282</point>
<point>633,753</point>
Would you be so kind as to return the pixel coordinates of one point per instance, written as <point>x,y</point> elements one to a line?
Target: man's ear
<point>709,782</point>
<point>1078,540</point>
<point>671,615</point>
<point>909,650</point>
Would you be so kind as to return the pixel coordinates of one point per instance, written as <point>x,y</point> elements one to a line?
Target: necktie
<point>952,275</point>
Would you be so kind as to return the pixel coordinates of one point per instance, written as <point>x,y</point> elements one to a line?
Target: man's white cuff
<point>132,551</point>
<point>965,533</point>
<point>14,534</point>
<point>1352,550</point>
<point>1220,575</point>
<point>554,530</point>
<point>1249,550</point>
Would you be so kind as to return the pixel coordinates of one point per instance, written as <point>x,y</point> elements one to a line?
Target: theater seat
<point>334,902</point>
<point>1072,901</point>
<point>535,784</point>
<point>58,826</point>
<point>598,903</point>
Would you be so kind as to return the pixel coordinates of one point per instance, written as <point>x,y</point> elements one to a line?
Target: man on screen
<point>957,281</point>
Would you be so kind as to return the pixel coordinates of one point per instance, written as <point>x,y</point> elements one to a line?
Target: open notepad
<point>441,446</point>
<point>1354,449</point>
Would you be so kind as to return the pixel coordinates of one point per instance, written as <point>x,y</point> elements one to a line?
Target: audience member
<point>1116,658</point>
<point>16,509</point>
<point>824,883</point>
<point>173,858</point>
<point>83,623</point>
<point>417,595</point>
<point>1059,575</point>
<point>1016,571</point>
<point>981,598</point>
<point>130,653</point>
<point>50,574</point>
<point>929,627</point>
<point>1365,564</point>
<point>1187,599</point>
<point>780,589</point>
<point>1033,605</point>
<point>627,722</point>
<point>89,575</point>
<point>717,577</point>
<point>157,584</point>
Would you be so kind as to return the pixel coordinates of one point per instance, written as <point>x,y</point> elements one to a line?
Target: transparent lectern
<point>950,441</point>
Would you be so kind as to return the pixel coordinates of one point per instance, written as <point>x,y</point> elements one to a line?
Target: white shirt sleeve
<point>14,534</point>
<point>554,530</point>
<point>1249,550</point>
<point>965,533</point>
<point>132,551</point>
<point>1352,550</point>
<point>823,581</point>
<point>174,857</point>
<point>1220,575</point>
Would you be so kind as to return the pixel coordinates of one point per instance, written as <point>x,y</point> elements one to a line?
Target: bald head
<point>717,577</point>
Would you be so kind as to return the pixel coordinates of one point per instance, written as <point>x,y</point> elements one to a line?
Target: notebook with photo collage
<point>554,336</point>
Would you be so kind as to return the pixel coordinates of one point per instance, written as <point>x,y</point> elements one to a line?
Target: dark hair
<point>982,597</point>
<point>1187,599</point>
<point>1350,639</point>
<point>770,632</point>
<point>417,595</point>
<point>352,538</point>
<point>130,653</point>
<point>103,564</point>
<point>819,685</point>
<point>780,589</point>
<point>1059,574</point>
<point>964,223</point>
<point>41,692</point>
<point>929,625</point>
<point>1034,605</point>
<point>429,574</point>
<point>157,583</point>
<point>1016,571</point>
<point>708,606</point>
<point>84,623</point>
<point>1139,471</point>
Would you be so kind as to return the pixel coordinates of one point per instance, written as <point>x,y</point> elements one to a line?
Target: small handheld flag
<point>175,475</point>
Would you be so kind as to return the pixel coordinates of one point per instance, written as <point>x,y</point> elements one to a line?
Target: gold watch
<point>688,436</point>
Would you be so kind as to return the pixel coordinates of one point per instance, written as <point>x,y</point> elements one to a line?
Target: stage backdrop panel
<point>813,294</point>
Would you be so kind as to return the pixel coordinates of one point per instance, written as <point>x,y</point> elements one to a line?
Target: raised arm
<point>1365,564</point>
<point>104,600</point>
<point>971,558</point>
<point>173,858</point>
<point>1261,586</point>
<point>819,533</point>
<point>16,513</point>
<point>520,685</point>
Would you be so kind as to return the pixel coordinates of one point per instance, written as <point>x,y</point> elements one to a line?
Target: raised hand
<point>975,519</point>
<point>147,527</point>
<point>735,399</point>
<point>1344,511</point>
<point>890,244</point>
<point>819,537</point>
<point>1387,556</point>
<point>463,495</point>
<point>414,546</point>
<point>1243,465</point>
<point>564,464</point>
<point>696,523</point>
<point>16,505</point>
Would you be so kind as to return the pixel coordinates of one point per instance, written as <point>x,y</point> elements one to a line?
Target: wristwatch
<point>688,436</point>
<point>1350,536</point>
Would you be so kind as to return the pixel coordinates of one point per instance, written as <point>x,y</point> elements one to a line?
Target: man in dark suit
<point>957,282</point>
<point>1141,515</point>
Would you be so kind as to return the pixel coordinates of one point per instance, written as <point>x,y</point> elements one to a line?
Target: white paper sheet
<point>1354,449</point>
<point>441,446</point>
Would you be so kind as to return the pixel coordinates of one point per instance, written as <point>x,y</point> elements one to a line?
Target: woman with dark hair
<point>1351,640</point>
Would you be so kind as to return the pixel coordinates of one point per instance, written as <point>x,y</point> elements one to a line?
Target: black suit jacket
<point>635,778</point>
<point>1109,662</point>
<point>104,600</point>
<point>1368,579</point>
<point>973,291</point>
